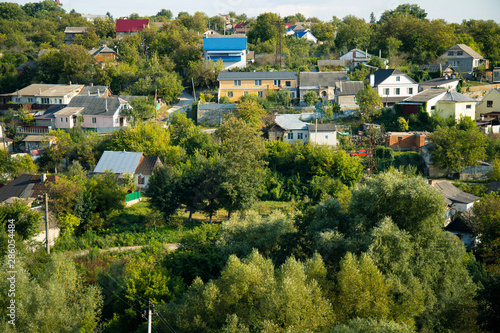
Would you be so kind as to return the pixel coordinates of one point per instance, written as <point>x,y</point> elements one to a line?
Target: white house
<point>46,93</point>
<point>295,128</point>
<point>449,103</point>
<point>103,114</point>
<point>231,50</point>
<point>123,162</point>
<point>393,85</point>
<point>324,134</point>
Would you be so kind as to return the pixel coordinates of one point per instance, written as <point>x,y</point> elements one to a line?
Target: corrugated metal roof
<point>437,81</point>
<point>147,165</point>
<point>237,43</point>
<point>257,76</point>
<point>118,162</point>
<point>322,127</point>
<point>350,88</point>
<point>48,90</point>
<point>75,30</point>
<point>454,194</point>
<point>322,79</point>
<point>425,95</point>
<point>453,96</point>
<point>93,105</point>
<point>290,122</point>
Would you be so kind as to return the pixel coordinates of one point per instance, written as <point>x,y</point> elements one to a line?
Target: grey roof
<point>103,106</point>
<point>494,187</point>
<point>50,112</point>
<point>322,79</point>
<point>454,194</point>
<point>432,68</point>
<point>75,30</point>
<point>130,98</point>
<point>48,90</point>
<point>454,96</point>
<point>460,224</point>
<point>68,111</point>
<point>102,49</point>
<point>438,81</point>
<point>30,64</point>
<point>290,122</point>
<point>322,127</point>
<point>148,165</point>
<point>257,76</point>
<point>93,91</point>
<point>339,62</point>
<point>214,106</point>
<point>349,88</point>
<point>118,162</point>
<point>382,74</point>
<point>425,95</point>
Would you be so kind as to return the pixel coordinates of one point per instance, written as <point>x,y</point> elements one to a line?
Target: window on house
<point>459,53</point>
<point>61,119</point>
<point>386,91</point>
<point>229,94</point>
<point>489,104</point>
<point>259,93</point>
<point>288,83</point>
<point>299,136</point>
<point>245,93</point>
<point>410,91</point>
<point>396,91</point>
<point>258,82</point>
<point>277,83</point>
<point>94,120</point>
<point>60,101</point>
<point>141,180</point>
<point>237,83</point>
<point>45,100</point>
<point>433,107</point>
<point>398,78</point>
<point>468,106</point>
<point>326,137</point>
<point>292,94</point>
<point>117,120</point>
<point>66,119</point>
<point>30,100</point>
<point>450,53</point>
<point>290,136</point>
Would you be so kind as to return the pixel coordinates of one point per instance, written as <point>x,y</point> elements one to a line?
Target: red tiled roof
<point>130,25</point>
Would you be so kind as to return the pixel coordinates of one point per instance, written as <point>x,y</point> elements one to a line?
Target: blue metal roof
<point>300,34</point>
<point>216,58</point>
<point>225,43</point>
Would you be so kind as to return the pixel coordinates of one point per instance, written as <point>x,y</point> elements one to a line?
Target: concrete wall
<point>212,117</point>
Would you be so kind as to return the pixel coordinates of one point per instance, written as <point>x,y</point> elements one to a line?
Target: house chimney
<point>372,80</point>
<point>91,84</point>
<point>106,103</point>
<point>43,177</point>
<point>69,82</point>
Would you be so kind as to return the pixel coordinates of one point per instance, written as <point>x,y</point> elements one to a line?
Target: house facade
<point>234,85</point>
<point>464,58</point>
<point>406,140</point>
<point>70,33</point>
<point>46,94</point>
<point>323,83</point>
<point>345,94</point>
<point>231,50</point>
<point>392,85</point>
<point>103,54</point>
<point>323,134</point>
<point>489,103</point>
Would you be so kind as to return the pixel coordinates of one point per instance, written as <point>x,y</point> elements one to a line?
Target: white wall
<point>324,138</point>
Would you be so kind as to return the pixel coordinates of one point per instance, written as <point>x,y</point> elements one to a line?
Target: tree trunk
<point>190,219</point>
<point>228,215</point>
<point>210,221</point>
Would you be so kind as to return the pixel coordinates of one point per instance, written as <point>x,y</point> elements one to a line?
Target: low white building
<point>393,85</point>
<point>323,134</point>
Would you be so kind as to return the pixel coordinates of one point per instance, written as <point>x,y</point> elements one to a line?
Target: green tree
<point>369,102</point>
<point>169,87</point>
<point>311,98</point>
<point>26,220</point>
<point>456,148</point>
<point>242,149</point>
<point>163,189</point>
<point>73,305</point>
<point>250,112</point>
<point>143,108</point>
<point>360,325</point>
<point>264,28</point>
<point>487,218</point>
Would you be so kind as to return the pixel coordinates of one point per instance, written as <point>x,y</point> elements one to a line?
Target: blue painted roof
<point>225,43</point>
<point>300,34</point>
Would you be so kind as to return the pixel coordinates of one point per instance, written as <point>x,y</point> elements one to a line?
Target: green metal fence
<point>133,196</point>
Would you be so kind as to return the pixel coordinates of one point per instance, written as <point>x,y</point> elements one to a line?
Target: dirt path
<point>168,246</point>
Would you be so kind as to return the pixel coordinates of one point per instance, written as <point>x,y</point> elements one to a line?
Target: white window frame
<point>229,94</point>
<point>260,94</point>
<point>237,83</point>
<point>386,91</point>
<point>397,91</point>
<point>93,120</point>
<point>398,78</point>
<point>277,83</point>
<point>258,82</point>
<point>410,91</point>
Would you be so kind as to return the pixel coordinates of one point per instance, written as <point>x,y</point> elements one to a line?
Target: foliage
<point>456,148</point>
<point>311,97</point>
<point>264,28</point>
<point>360,325</point>
<point>26,220</point>
<point>142,109</point>
<point>250,112</point>
<point>369,102</point>
<point>73,306</point>
<point>487,218</point>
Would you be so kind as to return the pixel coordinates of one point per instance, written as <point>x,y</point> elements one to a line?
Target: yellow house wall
<point>249,86</point>
<point>457,110</point>
<point>482,107</point>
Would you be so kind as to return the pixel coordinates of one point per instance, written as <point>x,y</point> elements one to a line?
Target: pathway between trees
<point>168,246</point>
<point>185,100</point>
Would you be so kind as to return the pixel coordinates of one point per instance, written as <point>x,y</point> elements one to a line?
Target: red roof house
<point>129,27</point>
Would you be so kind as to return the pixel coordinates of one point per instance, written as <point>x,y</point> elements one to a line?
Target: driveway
<point>185,100</point>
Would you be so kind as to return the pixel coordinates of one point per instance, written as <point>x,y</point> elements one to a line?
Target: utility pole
<point>149,317</point>
<point>194,92</point>
<point>46,197</point>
